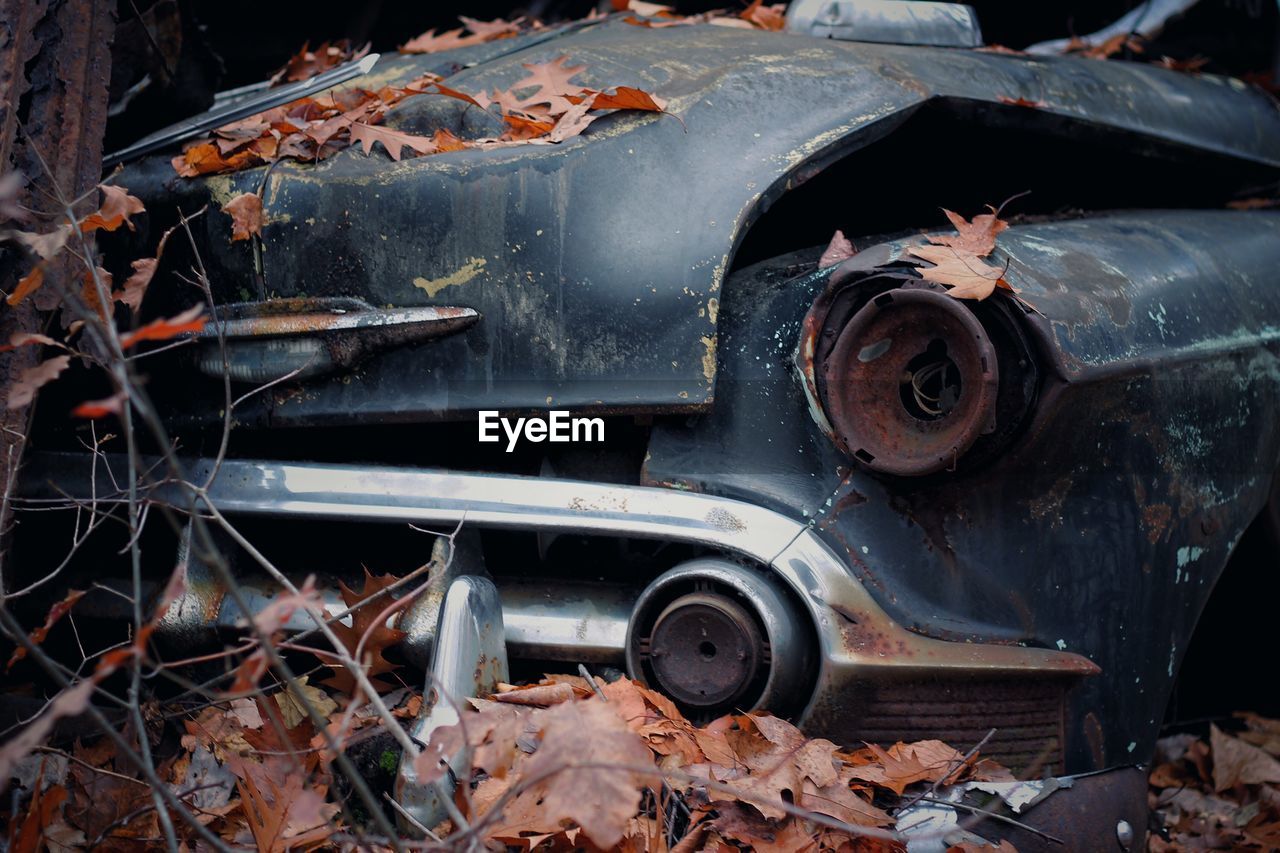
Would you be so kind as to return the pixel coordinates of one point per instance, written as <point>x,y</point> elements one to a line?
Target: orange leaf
<point>94,409</point>
<point>162,330</point>
<point>446,141</point>
<point>28,285</point>
<point>205,159</point>
<point>245,211</point>
<point>523,127</point>
<point>627,98</point>
<point>90,294</point>
<point>765,17</point>
<point>117,206</point>
<point>37,636</point>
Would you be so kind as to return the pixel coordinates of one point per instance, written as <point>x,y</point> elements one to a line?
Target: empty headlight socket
<point>916,383</point>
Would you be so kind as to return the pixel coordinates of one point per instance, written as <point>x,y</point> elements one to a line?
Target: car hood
<point>596,264</point>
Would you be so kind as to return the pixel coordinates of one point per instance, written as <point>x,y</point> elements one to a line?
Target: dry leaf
<point>116,208</point>
<point>1238,763</point>
<point>837,251</point>
<point>245,211</point>
<point>394,141</point>
<point>22,339</point>
<point>27,285</point>
<point>37,636</point>
<point>31,380</point>
<point>364,621</point>
<point>598,798</point>
<point>978,236</point>
<point>162,330</point>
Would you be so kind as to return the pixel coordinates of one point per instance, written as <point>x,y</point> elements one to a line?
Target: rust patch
<point>1094,738</point>
<point>1155,518</point>
<point>1049,504</point>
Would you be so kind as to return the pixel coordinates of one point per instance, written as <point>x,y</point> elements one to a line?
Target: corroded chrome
<point>887,21</point>
<point>470,659</point>
<point>857,639</point>
<point>311,337</point>
<point>771,674</point>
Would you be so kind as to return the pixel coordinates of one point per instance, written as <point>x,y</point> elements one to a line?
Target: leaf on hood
<point>446,141</point>
<point>116,208</point>
<point>31,380</point>
<point>627,98</point>
<point>394,141</point>
<point>957,259</point>
<point>245,211</point>
<point>551,82</point>
<point>978,236</point>
<point>162,330</point>
<point>968,276</point>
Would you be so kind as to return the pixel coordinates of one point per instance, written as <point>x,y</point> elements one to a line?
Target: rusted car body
<point>1030,558</point>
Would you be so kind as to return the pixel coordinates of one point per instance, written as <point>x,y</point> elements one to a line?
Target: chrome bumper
<point>858,642</point>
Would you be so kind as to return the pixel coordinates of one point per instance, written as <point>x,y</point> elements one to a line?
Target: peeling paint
<point>460,276</point>
<point>1189,554</point>
<point>709,358</point>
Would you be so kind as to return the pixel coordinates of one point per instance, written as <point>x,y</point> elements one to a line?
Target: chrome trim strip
<point>858,640</point>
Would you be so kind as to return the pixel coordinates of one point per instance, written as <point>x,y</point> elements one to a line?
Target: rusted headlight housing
<point>912,382</point>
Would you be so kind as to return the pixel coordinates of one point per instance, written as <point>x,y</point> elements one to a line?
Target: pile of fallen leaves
<point>556,766</point>
<point>563,761</point>
<point>546,106</point>
<point>1220,795</point>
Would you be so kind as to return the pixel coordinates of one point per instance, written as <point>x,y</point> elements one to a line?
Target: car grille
<point>1027,717</point>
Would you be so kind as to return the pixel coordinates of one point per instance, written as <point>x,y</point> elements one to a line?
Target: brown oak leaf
<point>245,211</point>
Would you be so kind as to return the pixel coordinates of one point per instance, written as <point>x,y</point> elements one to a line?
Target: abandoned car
<point>835,492</point>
